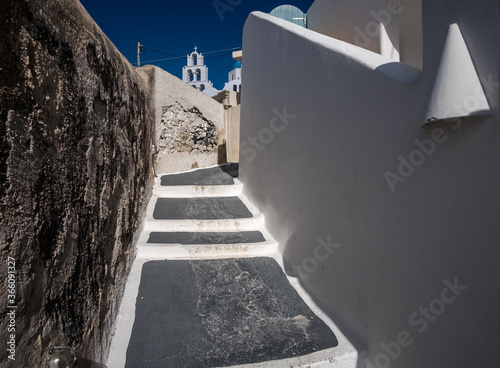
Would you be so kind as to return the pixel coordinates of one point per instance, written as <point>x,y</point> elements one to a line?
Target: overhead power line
<point>231,49</point>
<point>161,52</point>
<point>173,56</point>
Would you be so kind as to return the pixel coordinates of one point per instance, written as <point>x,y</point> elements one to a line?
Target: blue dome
<point>237,65</point>
<point>290,13</point>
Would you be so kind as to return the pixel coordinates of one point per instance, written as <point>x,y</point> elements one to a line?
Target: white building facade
<point>195,73</point>
<point>234,79</point>
<point>379,176</point>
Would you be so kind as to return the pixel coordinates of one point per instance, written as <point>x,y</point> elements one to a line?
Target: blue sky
<point>175,27</point>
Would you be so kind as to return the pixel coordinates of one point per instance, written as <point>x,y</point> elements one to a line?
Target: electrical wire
<point>218,56</point>
<point>161,52</point>
<point>174,57</point>
<point>232,49</point>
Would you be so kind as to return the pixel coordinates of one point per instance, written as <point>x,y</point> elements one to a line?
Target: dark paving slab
<point>219,313</point>
<point>206,238</point>
<point>200,209</point>
<point>221,175</point>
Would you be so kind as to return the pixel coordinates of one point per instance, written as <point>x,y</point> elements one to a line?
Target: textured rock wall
<point>182,113</point>
<point>76,129</point>
<point>186,131</point>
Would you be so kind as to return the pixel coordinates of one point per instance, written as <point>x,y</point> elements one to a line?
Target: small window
<point>202,87</point>
<point>235,88</point>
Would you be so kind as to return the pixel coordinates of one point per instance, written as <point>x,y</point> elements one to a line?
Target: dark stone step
<point>219,313</point>
<point>221,175</point>
<point>200,209</point>
<point>206,238</point>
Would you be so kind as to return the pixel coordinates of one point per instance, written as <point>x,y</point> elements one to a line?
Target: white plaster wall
<point>398,34</point>
<point>229,86</point>
<point>410,33</point>
<point>233,115</point>
<point>234,74</point>
<point>168,90</point>
<point>371,24</point>
<point>320,174</point>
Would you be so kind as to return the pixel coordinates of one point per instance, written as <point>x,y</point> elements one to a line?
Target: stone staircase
<point>207,287</point>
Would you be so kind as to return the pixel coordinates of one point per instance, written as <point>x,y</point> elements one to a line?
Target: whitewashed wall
<point>323,123</point>
<point>392,28</point>
<point>371,24</point>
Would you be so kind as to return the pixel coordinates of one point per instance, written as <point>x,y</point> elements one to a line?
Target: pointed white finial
<point>457,91</point>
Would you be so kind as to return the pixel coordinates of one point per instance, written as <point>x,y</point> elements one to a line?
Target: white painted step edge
<point>205,225</point>
<point>321,359</point>
<point>144,236</point>
<point>205,251</point>
<point>201,252</point>
<point>159,175</point>
<point>194,191</point>
<point>240,224</point>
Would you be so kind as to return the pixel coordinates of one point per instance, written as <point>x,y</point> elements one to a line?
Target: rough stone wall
<point>76,129</point>
<point>186,131</point>
<point>182,113</point>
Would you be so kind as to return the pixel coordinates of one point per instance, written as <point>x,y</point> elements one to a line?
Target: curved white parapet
<point>392,28</point>
<point>337,50</point>
<point>371,24</point>
<point>457,91</point>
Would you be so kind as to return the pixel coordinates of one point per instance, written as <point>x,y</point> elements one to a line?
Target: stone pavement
<point>206,289</point>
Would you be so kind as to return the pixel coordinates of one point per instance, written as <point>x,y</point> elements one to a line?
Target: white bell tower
<point>195,73</point>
